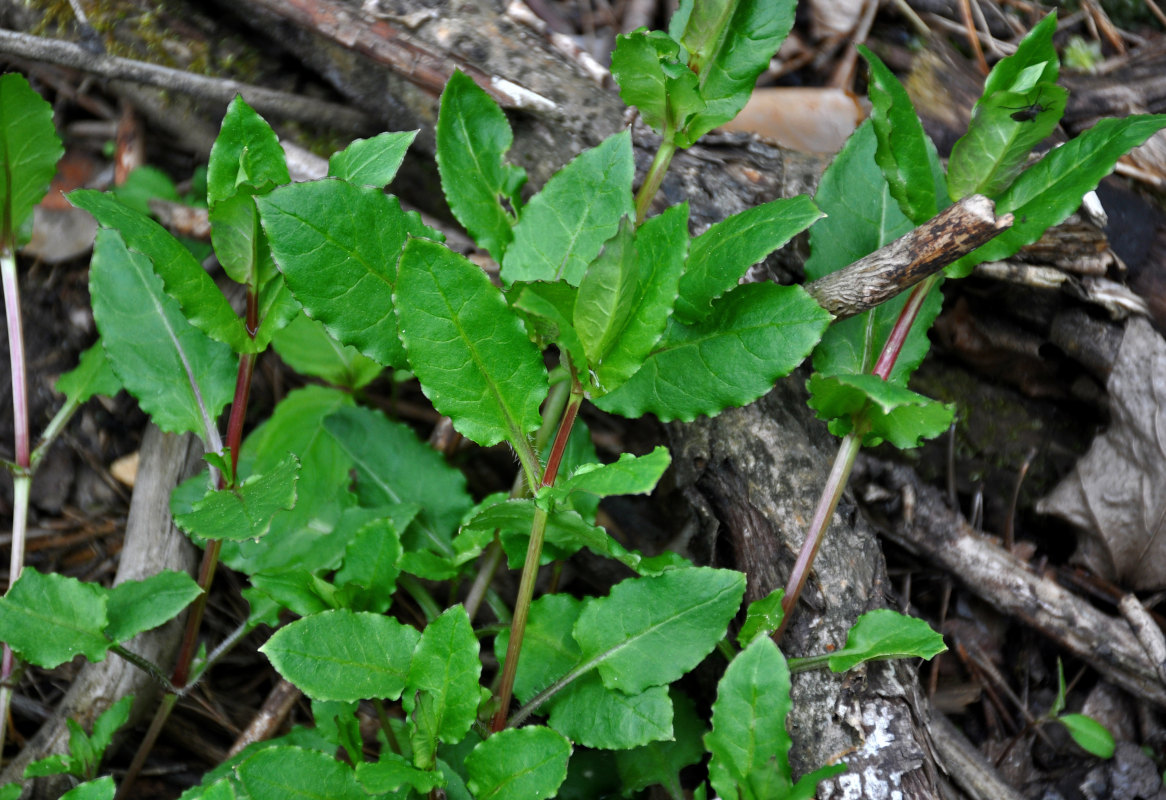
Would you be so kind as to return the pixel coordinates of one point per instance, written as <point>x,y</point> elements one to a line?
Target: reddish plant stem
<point>210,560</point>
<point>898,335</point>
<point>530,566</point>
<point>844,460</point>
<point>22,478</point>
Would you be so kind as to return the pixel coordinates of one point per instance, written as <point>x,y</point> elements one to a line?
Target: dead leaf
<point>1116,495</point>
<point>809,119</point>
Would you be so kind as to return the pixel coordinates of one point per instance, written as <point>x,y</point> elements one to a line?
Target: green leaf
<point>749,742</point>
<point>905,153</point>
<point>547,310</point>
<point>307,533</point>
<point>730,43</point>
<point>306,346</point>
<point>862,217</point>
<point>31,149</point>
<point>136,606</point>
<point>995,149</point>
<point>100,789</point>
<point>371,566</point>
<point>630,474</point>
<point>446,669</point>
<point>394,467</point>
<point>651,76</point>
<point>181,378</point>
<point>563,227</point>
<point>472,139</point>
<point>58,764</point>
<point>371,162</point>
<point>49,619</point>
<point>93,375</point>
<point>756,334</point>
<point>467,347</point>
<point>143,184</point>
<point>661,242</point>
<point>721,255</point>
<point>566,534</point>
<point>298,590</point>
<point>194,291</point>
<point>245,511</point>
<point>1091,735</point>
<point>1035,49</point>
<point>883,634</point>
<point>291,773</point>
<point>889,412</point>
<point>763,617</point>
<point>393,772</point>
<point>110,721</point>
<point>246,160</point>
<point>518,764</point>
<point>11,791</point>
<point>344,655</point>
<point>650,631</point>
<point>607,294</point>
<point>1049,191</point>
<point>245,153</point>
<point>337,246</point>
<point>590,714</point>
<point>660,762</point>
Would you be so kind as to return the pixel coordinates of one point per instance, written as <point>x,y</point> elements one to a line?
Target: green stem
<point>538,530</point>
<point>492,558</point>
<point>421,596</point>
<point>387,726</point>
<point>653,179</point>
<point>146,666</point>
<point>808,663</point>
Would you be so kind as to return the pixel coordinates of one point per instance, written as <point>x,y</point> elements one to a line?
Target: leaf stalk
<point>653,179</point>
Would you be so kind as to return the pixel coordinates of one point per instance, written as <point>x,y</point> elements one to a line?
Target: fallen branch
<point>887,272</point>
<point>220,90</point>
<point>928,528</point>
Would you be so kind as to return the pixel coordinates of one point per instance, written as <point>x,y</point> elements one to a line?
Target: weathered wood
<point>928,528</point>
<point>758,471</point>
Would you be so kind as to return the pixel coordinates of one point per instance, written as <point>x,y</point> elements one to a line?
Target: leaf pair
<point>50,619</point>
<point>701,72</point>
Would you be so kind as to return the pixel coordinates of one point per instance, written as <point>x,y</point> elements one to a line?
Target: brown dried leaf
<point>1116,494</point>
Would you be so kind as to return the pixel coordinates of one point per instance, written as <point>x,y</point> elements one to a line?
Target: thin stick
<point>266,101</point>
<point>876,278</point>
<point>973,37</point>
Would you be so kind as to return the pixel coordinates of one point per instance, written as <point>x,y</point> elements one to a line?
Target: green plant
<point>85,750</point>
<point>1093,737</point>
<point>887,180</point>
<point>632,313</point>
